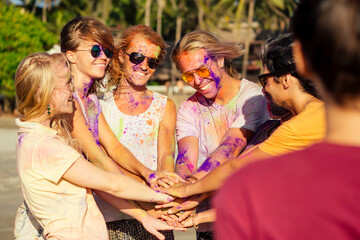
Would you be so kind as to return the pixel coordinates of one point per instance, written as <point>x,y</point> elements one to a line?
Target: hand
<point>163,179</point>
<point>179,190</point>
<point>162,198</point>
<point>153,225</point>
<point>189,222</point>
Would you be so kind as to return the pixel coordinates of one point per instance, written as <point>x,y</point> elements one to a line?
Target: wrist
<point>147,174</point>
<point>195,220</point>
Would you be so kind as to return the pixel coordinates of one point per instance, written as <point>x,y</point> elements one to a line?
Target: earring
<point>48,109</point>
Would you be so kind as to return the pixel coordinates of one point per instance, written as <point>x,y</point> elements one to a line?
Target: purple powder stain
<point>20,139</point>
<point>152,175</point>
<point>209,165</point>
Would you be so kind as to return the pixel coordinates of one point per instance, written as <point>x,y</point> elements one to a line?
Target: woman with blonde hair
<point>56,179</point>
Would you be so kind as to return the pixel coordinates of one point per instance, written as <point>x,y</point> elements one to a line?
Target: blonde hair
<point>35,81</point>
<point>199,39</point>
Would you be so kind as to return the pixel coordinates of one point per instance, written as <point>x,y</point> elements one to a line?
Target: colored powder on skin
<point>152,175</point>
<point>157,52</point>
<point>209,165</point>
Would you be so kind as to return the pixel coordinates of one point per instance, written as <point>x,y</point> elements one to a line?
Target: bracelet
<point>196,226</point>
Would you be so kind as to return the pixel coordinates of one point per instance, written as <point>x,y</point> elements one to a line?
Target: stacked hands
<point>179,209</point>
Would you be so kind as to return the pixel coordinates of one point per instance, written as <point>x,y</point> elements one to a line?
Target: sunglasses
<point>96,51</point>
<point>264,77</point>
<point>137,58</point>
<point>202,72</point>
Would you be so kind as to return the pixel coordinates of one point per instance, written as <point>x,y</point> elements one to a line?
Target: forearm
<point>166,163</point>
<point>226,151</point>
<point>204,217</point>
<point>127,188</point>
<point>126,206</point>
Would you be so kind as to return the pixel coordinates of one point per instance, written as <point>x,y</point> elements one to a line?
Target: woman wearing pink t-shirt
<point>56,179</point>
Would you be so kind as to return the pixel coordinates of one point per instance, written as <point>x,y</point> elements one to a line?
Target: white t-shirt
<point>209,123</point>
<point>65,210</point>
<point>137,133</point>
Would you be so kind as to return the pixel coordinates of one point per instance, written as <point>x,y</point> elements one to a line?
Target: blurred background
<point>29,26</point>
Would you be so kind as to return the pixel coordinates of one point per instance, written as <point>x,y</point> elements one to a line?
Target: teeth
<point>205,87</point>
<point>70,99</point>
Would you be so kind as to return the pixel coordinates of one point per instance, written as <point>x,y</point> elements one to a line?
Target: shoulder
<point>191,105</point>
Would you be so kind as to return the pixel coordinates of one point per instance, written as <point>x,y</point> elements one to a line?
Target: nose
<point>197,80</point>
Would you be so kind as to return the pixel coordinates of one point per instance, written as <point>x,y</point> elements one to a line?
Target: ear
<point>220,62</point>
<point>285,80</point>
<point>70,55</point>
<point>302,66</point>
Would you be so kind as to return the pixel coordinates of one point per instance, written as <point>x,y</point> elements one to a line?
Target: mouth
<point>205,87</point>
<point>70,99</point>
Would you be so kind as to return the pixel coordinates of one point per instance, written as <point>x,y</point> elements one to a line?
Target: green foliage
<point>20,35</point>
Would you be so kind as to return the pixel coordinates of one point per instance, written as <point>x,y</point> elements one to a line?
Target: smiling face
<point>273,91</point>
<point>85,66</point>
<point>139,74</point>
<point>191,61</point>
<point>62,98</point>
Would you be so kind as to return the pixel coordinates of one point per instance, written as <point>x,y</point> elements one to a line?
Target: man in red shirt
<point>313,193</point>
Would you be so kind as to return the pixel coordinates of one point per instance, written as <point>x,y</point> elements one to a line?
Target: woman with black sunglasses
<point>88,46</point>
<point>142,120</point>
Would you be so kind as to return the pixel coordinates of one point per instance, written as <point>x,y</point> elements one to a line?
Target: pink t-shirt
<point>209,122</point>
<point>309,194</point>
<point>64,210</point>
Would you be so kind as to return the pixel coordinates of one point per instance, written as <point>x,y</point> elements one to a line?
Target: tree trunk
<point>161,4</point>
<point>106,10</point>
<point>147,12</point>
<point>247,40</point>
<point>177,39</point>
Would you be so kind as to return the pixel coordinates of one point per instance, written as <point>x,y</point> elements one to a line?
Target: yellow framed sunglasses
<point>202,72</point>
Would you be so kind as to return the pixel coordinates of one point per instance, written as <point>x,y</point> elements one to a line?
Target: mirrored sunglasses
<point>137,58</point>
<point>202,72</point>
<point>96,51</point>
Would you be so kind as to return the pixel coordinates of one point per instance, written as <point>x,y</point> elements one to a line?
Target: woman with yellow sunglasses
<point>217,122</point>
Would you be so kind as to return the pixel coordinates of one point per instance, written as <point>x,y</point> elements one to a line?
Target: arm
<point>166,139</point>
<point>233,142</point>
<point>188,152</point>
<point>90,147</point>
<point>85,174</point>
<point>203,217</point>
<point>215,179</point>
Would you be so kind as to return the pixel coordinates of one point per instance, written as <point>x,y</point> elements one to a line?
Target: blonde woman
<point>56,180</point>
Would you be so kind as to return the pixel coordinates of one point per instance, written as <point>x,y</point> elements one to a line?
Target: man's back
<point>310,194</point>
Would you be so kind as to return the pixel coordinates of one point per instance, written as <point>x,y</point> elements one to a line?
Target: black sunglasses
<point>263,77</point>
<point>96,51</point>
<point>137,58</point>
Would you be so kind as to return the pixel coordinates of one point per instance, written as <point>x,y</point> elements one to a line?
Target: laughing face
<point>139,73</point>
<point>190,62</point>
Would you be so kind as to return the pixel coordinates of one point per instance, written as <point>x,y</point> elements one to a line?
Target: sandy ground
<point>10,191</point>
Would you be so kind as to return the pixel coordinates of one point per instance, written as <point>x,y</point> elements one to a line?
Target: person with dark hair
<point>282,87</point>
<point>313,193</point>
